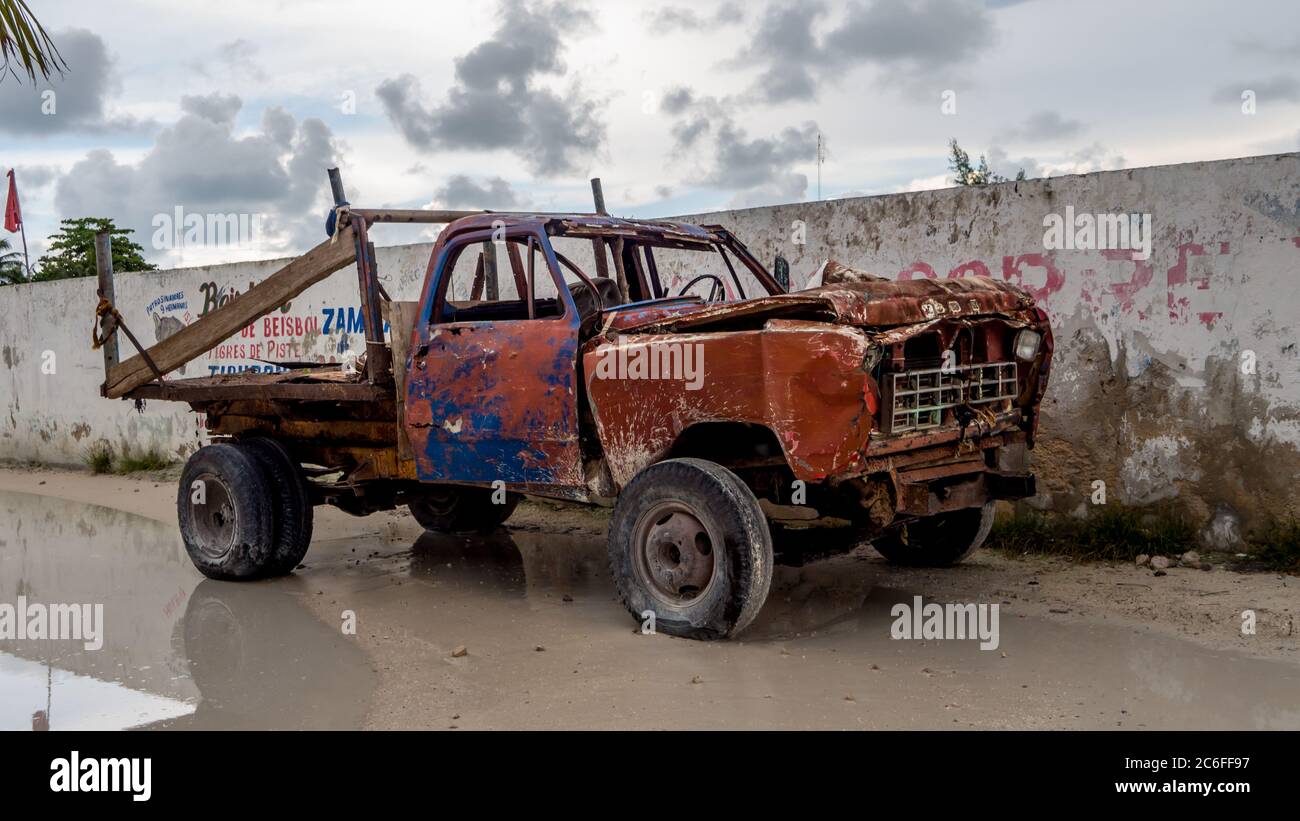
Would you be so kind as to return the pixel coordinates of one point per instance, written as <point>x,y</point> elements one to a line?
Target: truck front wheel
<point>937,541</point>
<point>227,519</point>
<point>689,546</point>
<point>456,509</point>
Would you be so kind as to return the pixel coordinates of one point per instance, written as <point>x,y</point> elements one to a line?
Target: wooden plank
<point>517,268</point>
<point>179,391</point>
<point>327,433</point>
<point>201,336</point>
<point>370,462</point>
<point>401,321</point>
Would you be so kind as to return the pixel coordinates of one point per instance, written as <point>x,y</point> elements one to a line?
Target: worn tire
<point>231,535</point>
<point>461,509</point>
<point>651,551</point>
<point>292,520</point>
<point>939,541</point>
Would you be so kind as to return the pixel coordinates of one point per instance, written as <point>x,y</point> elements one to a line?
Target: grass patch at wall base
<point>147,460</point>
<point>1110,533</point>
<point>99,458</point>
<point>1277,544</point>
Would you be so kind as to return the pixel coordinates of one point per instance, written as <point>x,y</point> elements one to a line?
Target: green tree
<point>12,270</point>
<point>25,45</point>
<point>966,174</point>
<point>72,250</point>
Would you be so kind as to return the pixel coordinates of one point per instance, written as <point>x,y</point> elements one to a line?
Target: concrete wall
<point>1176,376</point>
<point>56,416</point>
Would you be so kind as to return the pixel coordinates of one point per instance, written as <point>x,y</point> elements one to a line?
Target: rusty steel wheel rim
<point>674,553</point>
<point>216,521</point>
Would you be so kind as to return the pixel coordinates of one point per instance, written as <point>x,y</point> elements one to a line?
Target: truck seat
<point>586,301</point>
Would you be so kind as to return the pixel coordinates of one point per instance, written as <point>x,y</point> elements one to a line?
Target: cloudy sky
<point>681,107</point>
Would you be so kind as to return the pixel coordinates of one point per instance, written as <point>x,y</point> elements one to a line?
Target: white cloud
<point>869,73</point>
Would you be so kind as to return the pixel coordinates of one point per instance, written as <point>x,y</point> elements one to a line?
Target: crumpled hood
<point>849,298</point>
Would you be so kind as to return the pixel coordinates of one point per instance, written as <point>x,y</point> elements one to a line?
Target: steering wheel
<point>716,292</point>
<point>595,293</point>
<point>590,285</point>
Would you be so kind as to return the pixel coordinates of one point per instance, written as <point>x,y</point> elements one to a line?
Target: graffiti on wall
<point>1196,285</point>
<point>291,335</point>
<point>169,313</point>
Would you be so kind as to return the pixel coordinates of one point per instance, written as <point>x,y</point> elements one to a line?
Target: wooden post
<point>104,270</point>
<point>517,269</point>
<point>617,247</point>
<point>598,245</point>
<point>401,321</point>
<point>378,356</point>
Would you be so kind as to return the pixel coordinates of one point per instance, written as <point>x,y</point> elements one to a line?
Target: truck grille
<point>920,397</point>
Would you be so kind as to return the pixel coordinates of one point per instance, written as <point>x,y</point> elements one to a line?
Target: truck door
<point>491,380</point>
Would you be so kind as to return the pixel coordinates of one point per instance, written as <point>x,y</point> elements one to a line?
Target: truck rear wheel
<point>292,510</point>
<point>689,544</point>
<point>226,514</point>
<point>937,541</point>
<point>462,509</point>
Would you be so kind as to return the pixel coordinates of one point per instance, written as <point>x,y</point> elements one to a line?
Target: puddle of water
<point>822,640</point>
<point>178,650</point>
<point>32,689</point>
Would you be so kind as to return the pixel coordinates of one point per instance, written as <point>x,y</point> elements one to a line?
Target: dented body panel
<point>781,376</point>
<point>489,401</point>
<point>873,303</point>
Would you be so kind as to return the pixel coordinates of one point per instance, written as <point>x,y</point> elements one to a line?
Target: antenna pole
<point>819,165</point>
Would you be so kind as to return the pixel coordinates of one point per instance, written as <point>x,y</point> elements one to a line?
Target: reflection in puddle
<point>518,564</point>
<point>32,690</point>
<point>184,652</point>
<point>179,650</point>
<point>260,660</point>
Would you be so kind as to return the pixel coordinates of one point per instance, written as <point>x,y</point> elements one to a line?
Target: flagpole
<point>11,203</point>
<point>22,228</point>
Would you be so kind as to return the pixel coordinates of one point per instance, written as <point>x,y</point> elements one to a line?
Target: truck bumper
<point>925,493</point>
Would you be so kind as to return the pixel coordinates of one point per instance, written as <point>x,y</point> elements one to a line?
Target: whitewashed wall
<point>1149,393</point>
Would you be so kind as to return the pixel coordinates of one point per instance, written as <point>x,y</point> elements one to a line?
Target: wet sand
<point>548,645</point>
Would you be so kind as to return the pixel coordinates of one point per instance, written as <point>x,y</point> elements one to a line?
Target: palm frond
<point>25,45</point>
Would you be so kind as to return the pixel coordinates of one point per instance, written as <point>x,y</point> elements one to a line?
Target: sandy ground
<point>547,645</point>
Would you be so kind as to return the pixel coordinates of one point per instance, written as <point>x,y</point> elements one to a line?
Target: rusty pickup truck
<point>653,366</point>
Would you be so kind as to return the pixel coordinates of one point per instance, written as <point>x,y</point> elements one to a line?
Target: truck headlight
<point>1026,346</point>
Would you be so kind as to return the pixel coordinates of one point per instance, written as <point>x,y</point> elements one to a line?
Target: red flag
<point>13,214</point>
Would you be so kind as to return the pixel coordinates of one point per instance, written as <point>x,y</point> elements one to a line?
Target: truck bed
<point>327,384</point>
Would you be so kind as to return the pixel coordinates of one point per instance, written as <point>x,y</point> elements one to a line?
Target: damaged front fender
<point>806,382</point>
